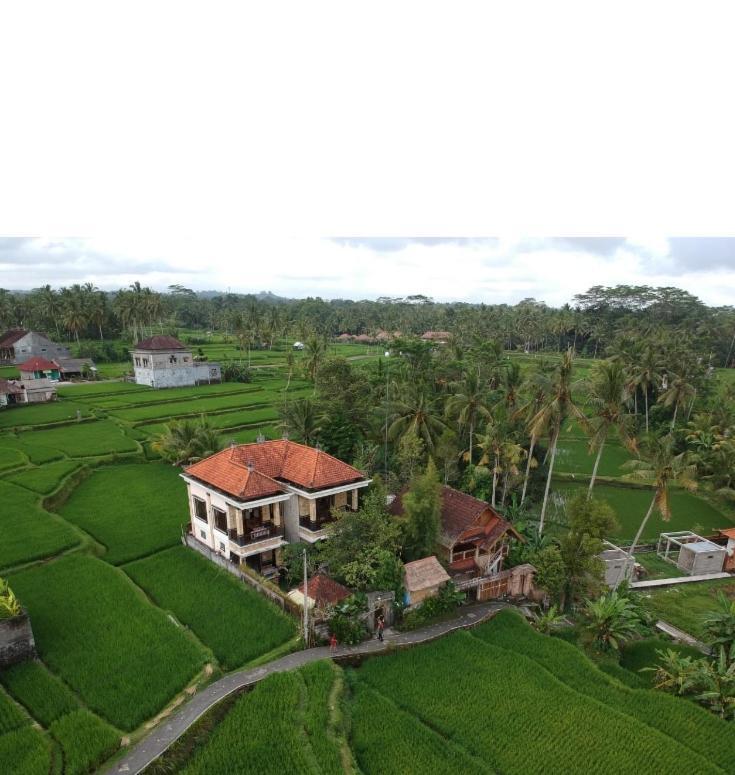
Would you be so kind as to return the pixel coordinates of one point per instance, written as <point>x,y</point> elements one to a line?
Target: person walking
<point>333,643</point>
<point>381,627</point>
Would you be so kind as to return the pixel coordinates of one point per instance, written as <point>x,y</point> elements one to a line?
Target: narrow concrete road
<point>171,728</point>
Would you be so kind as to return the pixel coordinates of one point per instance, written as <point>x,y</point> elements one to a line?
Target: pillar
<point>277,514</point>
<point>354,500</point>
<point>312,509</point>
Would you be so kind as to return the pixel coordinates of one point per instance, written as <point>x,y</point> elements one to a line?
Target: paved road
<point>171,728</point>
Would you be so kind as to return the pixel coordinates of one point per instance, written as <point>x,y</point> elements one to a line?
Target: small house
<point>691,553</point>
<point>18,345</point>
<point>322,592</point>
<point>298,345</point>
<point>74,368</point>
<point>11,393</point>
<point>163,362</point>
<point>438,337</point>
<point>38,378</point>
<point>423,579</point>
<point>619,564</point>
<point>473,537</point>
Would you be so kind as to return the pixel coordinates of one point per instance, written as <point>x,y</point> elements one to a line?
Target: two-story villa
<point>249,500</point>
<point>163,362</point>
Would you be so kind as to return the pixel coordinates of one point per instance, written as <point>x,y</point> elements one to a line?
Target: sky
<point>490,270</point>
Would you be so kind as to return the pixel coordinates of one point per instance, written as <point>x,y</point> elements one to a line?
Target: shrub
<point>349,629</point>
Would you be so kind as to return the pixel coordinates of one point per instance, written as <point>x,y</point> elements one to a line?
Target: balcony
<point>256,534</point>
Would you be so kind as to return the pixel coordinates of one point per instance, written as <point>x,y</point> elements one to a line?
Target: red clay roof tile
<point>161,343</point>
<point>38,364</point>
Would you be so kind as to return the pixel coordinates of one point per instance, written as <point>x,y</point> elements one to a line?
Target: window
<point>186,359</point>
<point>137,361</point>
<point>145,361</point>
<point>203,534</point>
<point>200,509</point>
<point>172,359</point>
<point>220,520</point>
<point>221,546</point>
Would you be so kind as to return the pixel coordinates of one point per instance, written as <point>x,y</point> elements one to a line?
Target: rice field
<point>44,696</point>
<point>125,658</point>
<point>25,752</point>
<point>44,479</point>
<point>86,439</point>
<point>85,741</point>
<point>131,509</point>
<point>29,532</point>
<point>42,414</point>
<point>232,619</point>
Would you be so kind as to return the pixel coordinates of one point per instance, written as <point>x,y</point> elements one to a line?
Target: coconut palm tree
<point>538,384</point>
<point>558,406</point>
<point>300,420</point>
<point>491,444</point>
<point>416,413</point>
<point>608,396</point>
<point>662,466</point>
<point>186,441</point>
<point>678,393</point>
<point>469,406</point>
<point>645,373</point>
<point>315,351</point>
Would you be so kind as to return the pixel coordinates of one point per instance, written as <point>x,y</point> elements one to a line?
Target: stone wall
<point>16,640</point>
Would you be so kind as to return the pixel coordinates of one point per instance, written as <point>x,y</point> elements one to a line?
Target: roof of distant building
<point>459,514</point>
<point>73,364</point>
<point>436,335</point>
<point>324,590</point>
<point>38,364</point>
<point>251,471</point>
<point>424,574</point>
<point>10,337</point>
<point>161,342</point>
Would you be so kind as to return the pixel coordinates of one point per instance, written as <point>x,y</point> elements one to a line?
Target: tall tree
<point>469,406</point>
<point>422,514</point>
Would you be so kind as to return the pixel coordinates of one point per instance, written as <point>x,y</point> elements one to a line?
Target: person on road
<point>381,627</point>
<point>333,643</point>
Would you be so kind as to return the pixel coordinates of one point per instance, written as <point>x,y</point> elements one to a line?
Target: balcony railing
<point>261,533</point>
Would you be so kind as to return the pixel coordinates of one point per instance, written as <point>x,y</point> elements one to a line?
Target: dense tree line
<point>597,322</point>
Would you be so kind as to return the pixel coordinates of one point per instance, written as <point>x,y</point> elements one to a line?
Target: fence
<point>274,596</point>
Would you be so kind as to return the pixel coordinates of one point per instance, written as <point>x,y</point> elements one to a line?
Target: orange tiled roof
<point>323,590</point>
<point>38,364</point>
<point>729,532</point>
<point>250,471</point>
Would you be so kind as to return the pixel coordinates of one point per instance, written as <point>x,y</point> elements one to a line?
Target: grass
<point>94,629</point>
<point>10,458</point>
<point>85,740</point>
<point>88,439</point>
<point>87,390</point>
<point>685,605</point>
<point>25,752</point>
<point>41,414</point>
<point>264,733</point>
<point>44,479</point>
<point>512,678</point>
<point>236,622</point>
<point>11,715</point>
<point>249,435</point>
<point>688,512</point>
<point>572,457</point>
<point>29,532</point>
<point>657,567</point>
<point>640,654</point>
<point>133,509</point>
<point>44,696</point>
<point>171,395</point>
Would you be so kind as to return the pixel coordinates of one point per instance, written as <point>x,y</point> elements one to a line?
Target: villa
<point>18,345</point>
<point>163,361</point>
<point>249,500</point>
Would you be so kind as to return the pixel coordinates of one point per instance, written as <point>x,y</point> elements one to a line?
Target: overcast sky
<point>446,269</point>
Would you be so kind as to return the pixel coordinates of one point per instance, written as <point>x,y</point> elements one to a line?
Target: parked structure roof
<point>250,471</point>
<point>324,590</point>
<point>10,337</point>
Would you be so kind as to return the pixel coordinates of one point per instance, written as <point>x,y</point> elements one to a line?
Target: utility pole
<point>385,451</point>
<point>306,605</point>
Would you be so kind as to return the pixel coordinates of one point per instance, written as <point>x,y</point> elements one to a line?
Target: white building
<point>250,500</point>
<point>163,361</point>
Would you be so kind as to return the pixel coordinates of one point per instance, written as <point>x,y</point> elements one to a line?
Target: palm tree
<point>611,620</point>
<point>608,396</point>
<point>663,467</point>
<point>678,393</point>
<point>186,441</point>
<point>540,385</point>
<point>314,353</point>
<point>646,373</point>
<point>547,621</point>
<point>468,406</point>
<point>300,420</point>
<point>491,444</point>
<point>416,413</point>
<point>557,407</point>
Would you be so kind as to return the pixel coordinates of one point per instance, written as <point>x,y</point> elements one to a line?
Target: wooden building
<point>422,579</point>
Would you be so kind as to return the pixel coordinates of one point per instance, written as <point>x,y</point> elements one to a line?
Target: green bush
<point>45,696</point>
<point>349,629</point>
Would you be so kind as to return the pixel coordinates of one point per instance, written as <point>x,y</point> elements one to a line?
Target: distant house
<point>38,378</point>
<point>423,579</point>
<point>249,500</point>
<point>364,339</point>
<point>440,337</point>
<point>298,345</point>
<point>11,393</point>
<point>345,338</point>
<point>18,345</point>
<point>473,538</point>
<point>74,368</point>
<point>163,362</point>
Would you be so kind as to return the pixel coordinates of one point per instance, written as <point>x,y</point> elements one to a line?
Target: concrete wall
<point>16,640</point>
